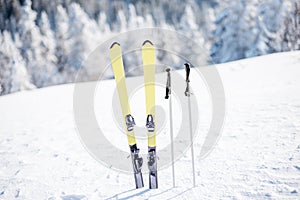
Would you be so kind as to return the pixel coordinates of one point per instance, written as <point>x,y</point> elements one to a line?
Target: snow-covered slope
<point>257,155</point>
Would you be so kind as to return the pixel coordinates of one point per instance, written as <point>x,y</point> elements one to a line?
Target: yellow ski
<point>118,69</point>
<point>148,55</point>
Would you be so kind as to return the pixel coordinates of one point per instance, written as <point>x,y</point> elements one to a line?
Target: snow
<point>256,157</point>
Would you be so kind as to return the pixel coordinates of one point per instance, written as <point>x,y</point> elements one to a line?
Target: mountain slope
<point>257,155</point>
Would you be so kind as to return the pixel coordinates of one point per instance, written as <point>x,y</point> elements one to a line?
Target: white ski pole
<point>188,94</point>
<point>169,96</point>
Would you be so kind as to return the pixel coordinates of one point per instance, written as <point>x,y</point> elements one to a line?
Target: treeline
<point>44,42</point>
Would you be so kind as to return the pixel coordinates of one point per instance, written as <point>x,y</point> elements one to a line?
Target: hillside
<point>257,155</point>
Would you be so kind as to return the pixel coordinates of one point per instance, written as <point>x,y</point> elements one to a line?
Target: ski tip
<point>113,44</point>
<point>168,69</point>
<point>147,41</point>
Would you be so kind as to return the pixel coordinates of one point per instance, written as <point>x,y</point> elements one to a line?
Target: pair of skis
<point>148,55</point>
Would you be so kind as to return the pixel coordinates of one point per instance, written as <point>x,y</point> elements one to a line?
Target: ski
<point>148,56</point>
<point>118,69</point>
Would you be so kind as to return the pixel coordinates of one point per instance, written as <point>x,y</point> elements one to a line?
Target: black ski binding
<point>129,122</point>
<point>150,123</point>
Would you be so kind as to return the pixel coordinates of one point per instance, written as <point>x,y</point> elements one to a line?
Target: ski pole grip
<point>167,93</point>
<point>187,70</point>
<point>168,85</point>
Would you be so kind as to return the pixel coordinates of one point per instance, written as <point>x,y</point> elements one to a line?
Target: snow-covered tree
<point>9,14</point>
<point>103,25</point>
<point>122,22</point>
<point>291,30</point>
<point>134,19</point>
<point>270,21</point>
<point>47,48</point>
<point>188,20</point>
<point>54,37</point>
<point>236,32</point>
<point>62,47</point>
<point>5,64</point>
<point>33,47</point>
<point>84,36</point>
<point>13,74</point>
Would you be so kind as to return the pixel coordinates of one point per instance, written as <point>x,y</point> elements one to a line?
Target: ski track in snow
<point>257,156</point>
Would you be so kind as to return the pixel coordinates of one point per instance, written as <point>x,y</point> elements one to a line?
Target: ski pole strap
<point>168,85</point>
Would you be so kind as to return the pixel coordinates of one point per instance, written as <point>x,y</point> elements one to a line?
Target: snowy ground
<point>257,156</point>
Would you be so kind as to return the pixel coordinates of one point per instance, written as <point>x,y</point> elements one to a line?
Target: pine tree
<point>103,25</point>
<point>84,36</point>
<point>62,47</point>
<point>30,49</point>
<point>47,48</point>
<point>291,30</point>
<point>270,21</point>
<point>13,76</point>
<point>235,34</point>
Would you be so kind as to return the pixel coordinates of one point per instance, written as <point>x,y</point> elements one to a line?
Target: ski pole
<point>188,94</point>
<point>168,96</point>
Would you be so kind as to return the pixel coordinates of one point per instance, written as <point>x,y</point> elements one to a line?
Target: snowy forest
<point>45,42</point>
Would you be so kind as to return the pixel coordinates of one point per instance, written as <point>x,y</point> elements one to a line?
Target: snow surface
<point>257,156</point>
